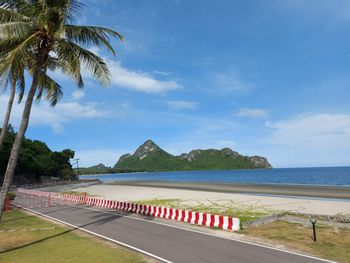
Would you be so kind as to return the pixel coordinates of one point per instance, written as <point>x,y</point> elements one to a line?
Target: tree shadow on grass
<point>99,221</point>
<point>99,217</point>
<point>16,219</point>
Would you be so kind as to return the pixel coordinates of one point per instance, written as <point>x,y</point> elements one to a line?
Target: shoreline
<point>197,197</point>
<point>336,192</point>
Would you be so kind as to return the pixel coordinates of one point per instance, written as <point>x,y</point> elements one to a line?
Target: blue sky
<point>261,77</point>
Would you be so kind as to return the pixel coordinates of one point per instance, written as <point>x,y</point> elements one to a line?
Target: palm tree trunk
<point>8,113</point>
<point>11,165</point>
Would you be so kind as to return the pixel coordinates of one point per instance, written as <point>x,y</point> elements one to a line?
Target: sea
<point>327,176</point>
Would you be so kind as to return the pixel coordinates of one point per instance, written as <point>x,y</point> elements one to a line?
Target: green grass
<point>332,243</point>
<point>245,214</point>
<point>61,244</point>
<point>77,193</point>
<point>161,202</point>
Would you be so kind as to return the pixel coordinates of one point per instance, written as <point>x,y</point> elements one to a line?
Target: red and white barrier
<point>196,218</point>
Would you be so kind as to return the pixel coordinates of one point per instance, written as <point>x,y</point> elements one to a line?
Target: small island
<point>149,157</point>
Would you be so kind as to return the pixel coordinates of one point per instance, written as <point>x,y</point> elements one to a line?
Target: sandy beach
<point>307,205</point>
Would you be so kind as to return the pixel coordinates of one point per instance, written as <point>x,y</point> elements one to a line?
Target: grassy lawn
<point>245,214</point>
<point>53,243</point>
<point>78,193</point>
<point>332,243</point>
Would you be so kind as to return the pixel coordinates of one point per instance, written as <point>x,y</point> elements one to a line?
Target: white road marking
<point>101,236</point>
<point>190,230</point>
<point>208,234</point>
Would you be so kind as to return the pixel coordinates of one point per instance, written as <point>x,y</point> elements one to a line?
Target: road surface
<point>165,242</point>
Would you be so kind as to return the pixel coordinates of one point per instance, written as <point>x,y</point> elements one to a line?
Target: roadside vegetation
<point>333,242</point>
<point>77,193</point>
<point>38,37</point>
<point>26,237</point>
<point>228,208</point>
<point>36,161</point>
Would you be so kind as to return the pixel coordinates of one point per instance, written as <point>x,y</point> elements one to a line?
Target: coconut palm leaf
<point>52,88</point>
<point>69,65</point>
<point>93,63</point>
<point>15,58</point>
<point>46,41</point>
<point>6,16</point>
<point>14,29</point>
<point>92,36</point>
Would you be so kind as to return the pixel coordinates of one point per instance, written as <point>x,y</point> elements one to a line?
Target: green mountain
<point>150,157</point>
<point>96,169</point>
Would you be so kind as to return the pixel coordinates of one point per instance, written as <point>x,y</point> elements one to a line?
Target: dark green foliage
<point>209,160</point>
<point>156,159</point>
<point>12,195</point>
<point>96,169</point>
<point>36,161</point>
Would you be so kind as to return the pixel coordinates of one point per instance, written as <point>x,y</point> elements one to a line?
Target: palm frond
<point>52,88</point>
<point>14,29</point>
<point>15,59</point>
<point>92,36</point>
<point>4,79</point>
<point>20,82</point>
<point>8,44</point>
<point>7,15</point>
<point>73,10</point>
<point>69,9</point>
<point>93,63</point>
<point>68,62</point>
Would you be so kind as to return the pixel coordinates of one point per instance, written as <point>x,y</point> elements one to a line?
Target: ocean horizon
<point>318,176</point>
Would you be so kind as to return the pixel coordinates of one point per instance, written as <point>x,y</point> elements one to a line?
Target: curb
<point>196,218</point>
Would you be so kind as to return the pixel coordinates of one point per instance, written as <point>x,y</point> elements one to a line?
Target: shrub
<point>12,195</point>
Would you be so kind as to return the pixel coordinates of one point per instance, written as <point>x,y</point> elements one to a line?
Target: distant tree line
<point>36,161</point>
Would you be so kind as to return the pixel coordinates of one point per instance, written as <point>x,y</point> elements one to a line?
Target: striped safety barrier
<point>196,218</point>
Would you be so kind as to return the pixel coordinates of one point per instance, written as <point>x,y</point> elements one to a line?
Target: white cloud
<point>230,81</point>
<point>162,73</point>
<point>127,78</point>
<point>318,131</point>
<point>138,81</point>
<point>78,94</point>
<point>135,80</point>
<point>43,114</point>
<point>252,113</point>
<point>181,104</point>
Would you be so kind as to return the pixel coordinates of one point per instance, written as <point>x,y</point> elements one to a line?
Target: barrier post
<point>84,198</point>
<point>7,204</point>
<point>49,201</point>
<point>313,222</point>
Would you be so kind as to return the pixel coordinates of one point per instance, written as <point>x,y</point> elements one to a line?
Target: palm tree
<point>15,76</point>
<point>8,113</point>
<point>43,28</point>
<point>52,88</point>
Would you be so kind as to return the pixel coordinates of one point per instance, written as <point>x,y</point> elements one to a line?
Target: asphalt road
<point>168,243</point>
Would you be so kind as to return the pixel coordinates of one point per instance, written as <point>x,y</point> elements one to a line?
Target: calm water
<point>309,176</point>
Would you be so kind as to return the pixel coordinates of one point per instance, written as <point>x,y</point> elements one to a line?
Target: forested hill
<point>36,161</point>
<point>96,169</point>
<point>150,157</point>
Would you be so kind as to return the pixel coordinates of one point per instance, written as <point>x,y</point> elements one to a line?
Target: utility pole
<point>76,161</point>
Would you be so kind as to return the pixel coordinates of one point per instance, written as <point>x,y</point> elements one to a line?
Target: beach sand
<point>307,205</point>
